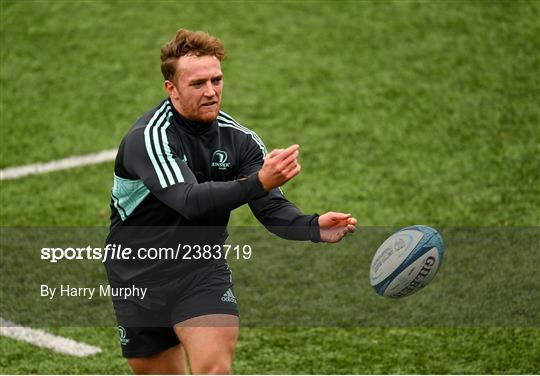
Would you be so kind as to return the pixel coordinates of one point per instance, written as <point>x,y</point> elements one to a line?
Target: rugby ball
<point>406,261</point>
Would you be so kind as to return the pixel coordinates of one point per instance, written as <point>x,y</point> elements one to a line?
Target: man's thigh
<point>210,342</point>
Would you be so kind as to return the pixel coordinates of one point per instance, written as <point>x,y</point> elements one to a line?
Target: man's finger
<point>339,216</point>
<point>294,172</point>
<point>291,172</point>
<point>273,153</point>
<point>287,152</point>
<point>290,160</point>
<point>291,166</point>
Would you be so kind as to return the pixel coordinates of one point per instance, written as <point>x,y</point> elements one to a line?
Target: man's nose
<point>209,89</point>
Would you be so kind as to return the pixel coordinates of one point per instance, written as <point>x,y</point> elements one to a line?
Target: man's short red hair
<point>188,42</point>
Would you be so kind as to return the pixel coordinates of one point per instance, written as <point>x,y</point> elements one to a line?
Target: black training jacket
<point>171,173</point>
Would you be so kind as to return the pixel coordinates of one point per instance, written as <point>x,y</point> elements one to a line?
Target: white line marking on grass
<point>60,164</point>
<point>43,339</point>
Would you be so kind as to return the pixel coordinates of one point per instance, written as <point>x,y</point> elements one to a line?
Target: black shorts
<point>146,325</point>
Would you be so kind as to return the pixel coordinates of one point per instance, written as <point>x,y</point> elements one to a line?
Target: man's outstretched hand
<point>334,226</point>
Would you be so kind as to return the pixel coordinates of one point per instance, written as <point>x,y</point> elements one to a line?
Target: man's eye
<point>216,81</point>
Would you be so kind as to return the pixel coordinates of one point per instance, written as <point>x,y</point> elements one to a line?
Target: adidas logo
<point>228,297</point>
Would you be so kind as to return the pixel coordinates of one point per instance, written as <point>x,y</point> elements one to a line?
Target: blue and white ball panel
<point>392,253</point>
<point>407,261</point>
<point>415,276</point>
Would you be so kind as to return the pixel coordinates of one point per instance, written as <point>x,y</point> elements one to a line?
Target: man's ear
<point>170,88</point>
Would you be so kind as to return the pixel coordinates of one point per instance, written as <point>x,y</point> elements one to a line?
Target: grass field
<point>406,112</point>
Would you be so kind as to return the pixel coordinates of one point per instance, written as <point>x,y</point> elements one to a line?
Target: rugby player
<point>187,164</point>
